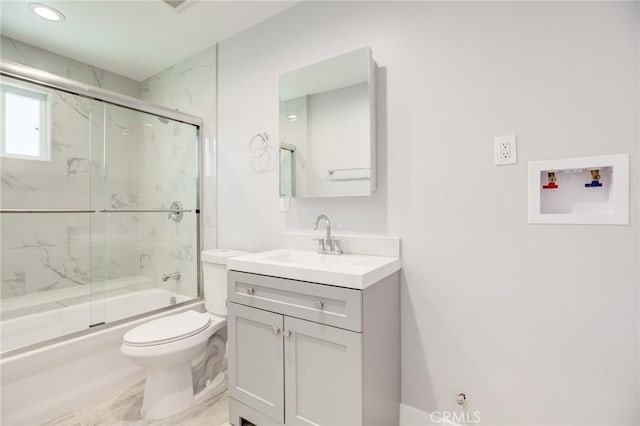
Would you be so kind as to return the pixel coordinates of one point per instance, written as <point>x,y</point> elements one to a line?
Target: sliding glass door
<point>99,215</point>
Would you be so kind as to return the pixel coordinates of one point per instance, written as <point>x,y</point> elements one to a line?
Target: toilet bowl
<point>168,346</point>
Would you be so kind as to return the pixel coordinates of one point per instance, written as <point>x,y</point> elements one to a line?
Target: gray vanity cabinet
<point>256,347</point>
<point>322,368</point>
<point>303,353</point>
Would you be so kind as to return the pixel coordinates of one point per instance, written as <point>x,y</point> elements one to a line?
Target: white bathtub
<point>38,327</point>
<point>41,384</point>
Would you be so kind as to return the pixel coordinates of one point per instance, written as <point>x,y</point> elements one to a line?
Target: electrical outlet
<point>505,150</point>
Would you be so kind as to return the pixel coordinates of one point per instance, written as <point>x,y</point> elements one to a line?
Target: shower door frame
<point>56,82</point>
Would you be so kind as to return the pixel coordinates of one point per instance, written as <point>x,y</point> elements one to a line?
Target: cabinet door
<point>256,359</point>
<point>323,374</point>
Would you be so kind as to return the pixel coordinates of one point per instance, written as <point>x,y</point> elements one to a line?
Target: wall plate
<point>505,150</point>
<point>589,190</point>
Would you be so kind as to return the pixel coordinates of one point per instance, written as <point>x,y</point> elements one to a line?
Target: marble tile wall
<point>188,86</point>
<point>22,53</point>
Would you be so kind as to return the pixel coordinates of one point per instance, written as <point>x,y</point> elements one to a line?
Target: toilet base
<point>169,387</point>
<point>158,405</point>
<point>167,391</point>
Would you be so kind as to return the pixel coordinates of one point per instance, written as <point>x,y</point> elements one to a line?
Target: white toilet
<point>168,346</point>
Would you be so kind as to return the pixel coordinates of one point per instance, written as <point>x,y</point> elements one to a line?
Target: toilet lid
<point>168,329</point>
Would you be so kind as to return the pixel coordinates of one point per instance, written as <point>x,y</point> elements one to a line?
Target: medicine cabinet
<point>327,128</point>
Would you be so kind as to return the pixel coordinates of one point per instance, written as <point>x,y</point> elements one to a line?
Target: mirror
<point>327,128</point>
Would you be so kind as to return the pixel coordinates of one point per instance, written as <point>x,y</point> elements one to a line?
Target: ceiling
<point>133,38</point>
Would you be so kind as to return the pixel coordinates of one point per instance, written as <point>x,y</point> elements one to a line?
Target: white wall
<point>537,324</point>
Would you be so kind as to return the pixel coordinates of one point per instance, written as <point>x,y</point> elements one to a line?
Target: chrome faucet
<point>327,245</point>
<point>171,276</point>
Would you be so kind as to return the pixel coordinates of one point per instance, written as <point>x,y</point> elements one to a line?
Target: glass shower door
<point>148,208</point>
<point>99,213</point>
<point>46,220</point>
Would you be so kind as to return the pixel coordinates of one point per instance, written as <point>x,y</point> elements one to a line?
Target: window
<point>25,123</point>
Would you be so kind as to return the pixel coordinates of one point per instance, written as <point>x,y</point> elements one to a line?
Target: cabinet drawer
<point>325,304</point>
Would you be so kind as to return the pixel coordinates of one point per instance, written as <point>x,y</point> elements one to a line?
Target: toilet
<point>168,347</point>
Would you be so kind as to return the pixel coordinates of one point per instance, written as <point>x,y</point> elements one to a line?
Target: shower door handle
<point>176,212</point>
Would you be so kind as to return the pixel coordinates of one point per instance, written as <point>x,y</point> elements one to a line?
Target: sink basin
<point>346,270</point>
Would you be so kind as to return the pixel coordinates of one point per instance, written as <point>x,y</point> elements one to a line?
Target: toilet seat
<point>168,329</point>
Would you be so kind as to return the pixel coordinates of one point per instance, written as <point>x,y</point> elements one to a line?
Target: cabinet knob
<point>286,333</point>
<point>318,304</point>
<point>250,291</point>
<point>276,330</point>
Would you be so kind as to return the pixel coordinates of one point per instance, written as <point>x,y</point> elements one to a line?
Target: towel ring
<point>258,145</point>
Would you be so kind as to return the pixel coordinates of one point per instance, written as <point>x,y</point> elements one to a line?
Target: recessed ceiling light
<point>46,12</point>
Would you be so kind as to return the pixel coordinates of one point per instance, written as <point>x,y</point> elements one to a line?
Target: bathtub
<point>38,327</point>
<point>60,376</point>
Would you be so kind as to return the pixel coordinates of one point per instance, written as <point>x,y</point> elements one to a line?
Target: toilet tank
<point>214,277</point>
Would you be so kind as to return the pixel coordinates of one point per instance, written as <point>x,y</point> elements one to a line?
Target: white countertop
<point>345,270</point>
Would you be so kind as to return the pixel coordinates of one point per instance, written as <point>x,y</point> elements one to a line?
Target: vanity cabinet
<point>323,374</point>
<point>257,352</point>
<point>305,353</point>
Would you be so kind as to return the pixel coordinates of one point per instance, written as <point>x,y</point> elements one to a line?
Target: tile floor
<point>123,408</point>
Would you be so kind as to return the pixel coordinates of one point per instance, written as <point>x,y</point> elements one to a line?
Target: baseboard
<point>411,416</point>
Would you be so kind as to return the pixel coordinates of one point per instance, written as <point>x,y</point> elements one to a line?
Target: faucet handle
<point>321,244</point>
<point>337,246</point>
